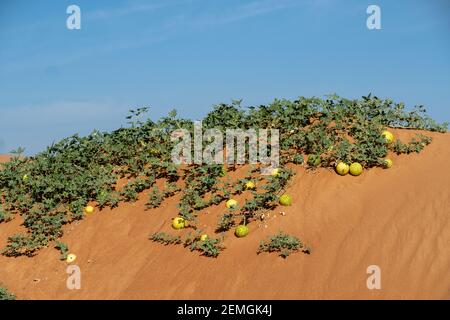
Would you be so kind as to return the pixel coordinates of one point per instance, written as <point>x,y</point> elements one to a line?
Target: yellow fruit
<point>388,136</point>
<point>89,209</point>
<point>204,237</point>
<point>275,172</point>
<point>356,169</point>
<point>250,185</point>
<point>241,231</point>
<point>71,258</point>
<point>178,223</point>
<point>342,168</point>
<point>285,200</point>
<point>231,204</point>
<point>25,177</point>
<point>388,163</point>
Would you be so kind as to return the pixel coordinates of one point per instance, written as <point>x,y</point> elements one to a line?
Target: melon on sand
<point>241,231</point>
<point>275,172</point>
<point>342,168</point>
<point>178,223</point>
<point>89,209</point>
<point>388,136</point>
<point>285,200</point>
<point>231,204</point>
<point>71,257</point>
<point>356,169</point>
<point>387,163</point>
<point>250,185</point>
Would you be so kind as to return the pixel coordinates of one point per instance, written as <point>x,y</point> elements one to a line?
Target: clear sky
<point>191,54</point>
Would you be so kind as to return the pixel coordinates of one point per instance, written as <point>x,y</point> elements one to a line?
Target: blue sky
<point>191,54</point>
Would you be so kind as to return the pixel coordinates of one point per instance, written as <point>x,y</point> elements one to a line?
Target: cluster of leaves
<point>328,130</point>
<point>5,294</point>
<point>165,238</point>
<point>416,145</point>
<point>267,200</point>
<point>263,199</point>
<point>209,247</point>
<point>63,248</point>
<point>200,180</point>
<point>51,188</point>
<point>226,222</point>
<point>5,216</point>
<point>284,244</point>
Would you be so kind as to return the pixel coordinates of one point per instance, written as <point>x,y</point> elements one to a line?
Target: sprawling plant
<point>283,244</point>
<point>51,188</point>
<point>5,294</point>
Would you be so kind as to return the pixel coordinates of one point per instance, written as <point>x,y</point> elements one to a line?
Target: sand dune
<point>397,219</point>
<point>4,157</point>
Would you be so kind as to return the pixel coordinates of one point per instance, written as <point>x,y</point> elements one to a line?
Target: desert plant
<point>282,243</point>
<point>5,294</point>
<point>165,238</point>
<point>209,248</point>
<point>156,197</point>
<point>51,188</point>
<point>63,248</point>
<point>226,222</point>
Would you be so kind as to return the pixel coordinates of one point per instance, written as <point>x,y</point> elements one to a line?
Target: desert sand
<point>397,219</point>
<point>4,158</point>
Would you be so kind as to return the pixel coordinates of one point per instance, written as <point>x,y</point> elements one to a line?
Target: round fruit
<point>71,258</point>
<point>178,223</point>
<point>387,163</point>
<point>25,177</point>
<point>275,172</point>
<point>204,237</point>
<point>89,209</point>
<point>356,169</point>
<point>388,136</point>
<point>250,185</point>
<point>285,200</point>
<point>342,168</point>
<point>231,204</point>
<point>241,231</point>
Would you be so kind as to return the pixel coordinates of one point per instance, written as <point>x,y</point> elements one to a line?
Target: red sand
<point>397,219</point>
<point>4,158</point>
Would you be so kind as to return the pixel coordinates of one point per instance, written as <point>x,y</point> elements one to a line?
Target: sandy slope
<point>4,158</point>
<point>398,219</point>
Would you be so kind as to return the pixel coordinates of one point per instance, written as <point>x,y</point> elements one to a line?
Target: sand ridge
<point>397,219</point>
